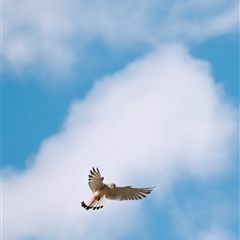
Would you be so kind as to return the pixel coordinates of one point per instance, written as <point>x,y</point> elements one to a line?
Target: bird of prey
<point>110,191</point>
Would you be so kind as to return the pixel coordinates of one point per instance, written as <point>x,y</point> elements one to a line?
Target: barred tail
<point>93,204</point>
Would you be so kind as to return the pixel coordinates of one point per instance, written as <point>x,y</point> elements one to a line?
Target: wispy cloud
<point>206,216</point>
<point>51,36</point>
<point>161,118</point>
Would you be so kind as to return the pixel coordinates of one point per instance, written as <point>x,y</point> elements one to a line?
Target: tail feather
<point>93,204</point>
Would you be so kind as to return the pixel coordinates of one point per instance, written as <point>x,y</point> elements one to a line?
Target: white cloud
<point>161,118</point>
<point>207,27</point>
<point>206,216</point>
<point>52,35</point>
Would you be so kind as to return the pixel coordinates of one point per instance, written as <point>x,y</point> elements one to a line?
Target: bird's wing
<point>128,193</point>
<point>95,180</point>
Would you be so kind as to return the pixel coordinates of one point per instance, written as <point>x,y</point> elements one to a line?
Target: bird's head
<point>111,185</point>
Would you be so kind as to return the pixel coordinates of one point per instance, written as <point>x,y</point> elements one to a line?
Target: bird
<point>110,191</point>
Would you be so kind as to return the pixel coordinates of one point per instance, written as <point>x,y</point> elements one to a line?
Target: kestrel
<point>110,191</point>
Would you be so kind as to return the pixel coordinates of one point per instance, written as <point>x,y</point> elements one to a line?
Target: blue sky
<point>145,91</point>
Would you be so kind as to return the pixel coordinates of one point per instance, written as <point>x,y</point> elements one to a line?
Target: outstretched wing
<point>128,193</point>
<point>95,180</point>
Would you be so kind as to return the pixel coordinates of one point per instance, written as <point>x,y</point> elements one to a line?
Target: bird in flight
<point>110,191</point>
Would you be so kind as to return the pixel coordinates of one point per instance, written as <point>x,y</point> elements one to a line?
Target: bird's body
<point>110,191</point>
